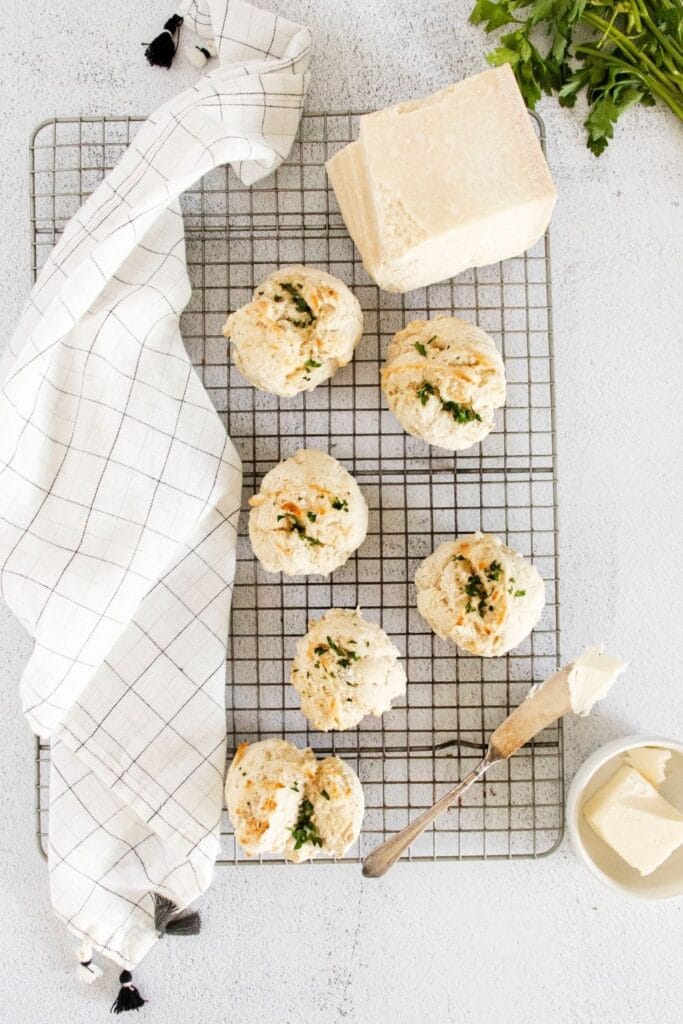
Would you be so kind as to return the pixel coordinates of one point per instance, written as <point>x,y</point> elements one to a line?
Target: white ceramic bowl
<point>667,881</point>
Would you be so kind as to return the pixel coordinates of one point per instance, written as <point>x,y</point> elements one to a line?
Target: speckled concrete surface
<point>522,943</point>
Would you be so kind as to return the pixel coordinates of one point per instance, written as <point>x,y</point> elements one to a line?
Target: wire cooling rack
<point>418,496</point>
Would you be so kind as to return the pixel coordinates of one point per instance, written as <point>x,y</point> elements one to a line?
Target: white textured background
<point>519,943</point>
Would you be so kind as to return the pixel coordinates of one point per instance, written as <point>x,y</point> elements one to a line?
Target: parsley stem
<point>625,45</point>
<point>675,56</point>
<point>664,40</point>
<point>654,86</point>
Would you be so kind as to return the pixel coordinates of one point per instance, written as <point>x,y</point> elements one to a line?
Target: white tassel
<point>198,55</point>
<point>87,971</point>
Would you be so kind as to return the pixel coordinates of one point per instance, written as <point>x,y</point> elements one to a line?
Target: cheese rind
<point>453,181</point>
<point>635,820</point>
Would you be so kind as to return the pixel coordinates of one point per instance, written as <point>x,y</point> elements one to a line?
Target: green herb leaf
<point>344,654</point>
<point>491,15</point>
<point>300,304</point>
<point>475,587</point>
<point>420,348</point>
<point>295,525</point>
<point>311,364</point>
<point>425,391</point>
<point>305,830</point>
<point>460,413</point>
<point>341,506</point>
<point>520,593</point>
<point>294,522</point>
<point>312,516</point>
<point>325,794</point>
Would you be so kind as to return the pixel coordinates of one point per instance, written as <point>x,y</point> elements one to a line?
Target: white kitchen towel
<point>120,497</point>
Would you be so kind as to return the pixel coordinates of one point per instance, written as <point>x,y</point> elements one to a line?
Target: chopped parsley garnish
<point>300,304</point>
<point>460,413</point>
<point>493,572</point>
<point>323,792</point>
<point>277,298</point>
<point>460,558</point>
<point>311,364</point>
<point>295,787</point>
<point>425,391</point>
<point>305,830</point>
<point>520,593</point>
<point>312,516</point>
<point>422,348</point>
<point>295,525</point>
<point>340,505</point>
<point>294,522</point>
<point>476,588</point>
<point>344,655</point>
<point>321,649</point>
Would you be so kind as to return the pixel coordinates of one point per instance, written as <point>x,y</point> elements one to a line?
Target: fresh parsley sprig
<point>621,52</point>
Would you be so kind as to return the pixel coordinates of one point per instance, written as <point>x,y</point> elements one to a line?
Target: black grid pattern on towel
<point>418,496</point>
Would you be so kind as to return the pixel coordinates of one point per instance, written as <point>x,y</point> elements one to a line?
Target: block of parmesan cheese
<point>435,186</point>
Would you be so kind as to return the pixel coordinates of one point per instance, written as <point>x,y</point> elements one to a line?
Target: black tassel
<point>168,920</point>
<point>128,998</point>
<point>161,51</point>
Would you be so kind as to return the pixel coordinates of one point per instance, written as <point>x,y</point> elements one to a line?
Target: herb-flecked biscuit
<point>345,668</point>
<point>443,380</point>
<point>300,327</point>
<point>308,516</point>
<point>480,594</point>
<point>282,800</point>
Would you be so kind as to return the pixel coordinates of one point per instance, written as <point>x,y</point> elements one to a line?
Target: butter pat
<point>639,824</point>
<point>651,762</point>
<point>438,185</point>
<point>591,676</point>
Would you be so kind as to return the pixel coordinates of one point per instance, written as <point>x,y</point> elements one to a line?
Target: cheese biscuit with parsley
<point>346,668</point>
<point>282,800</point>
<point>443,380</point>
<point>300,327</point>
<point>308,517</point>
<point>480,594</point>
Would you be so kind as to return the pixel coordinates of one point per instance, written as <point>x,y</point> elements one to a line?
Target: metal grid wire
<point>418,496</point>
